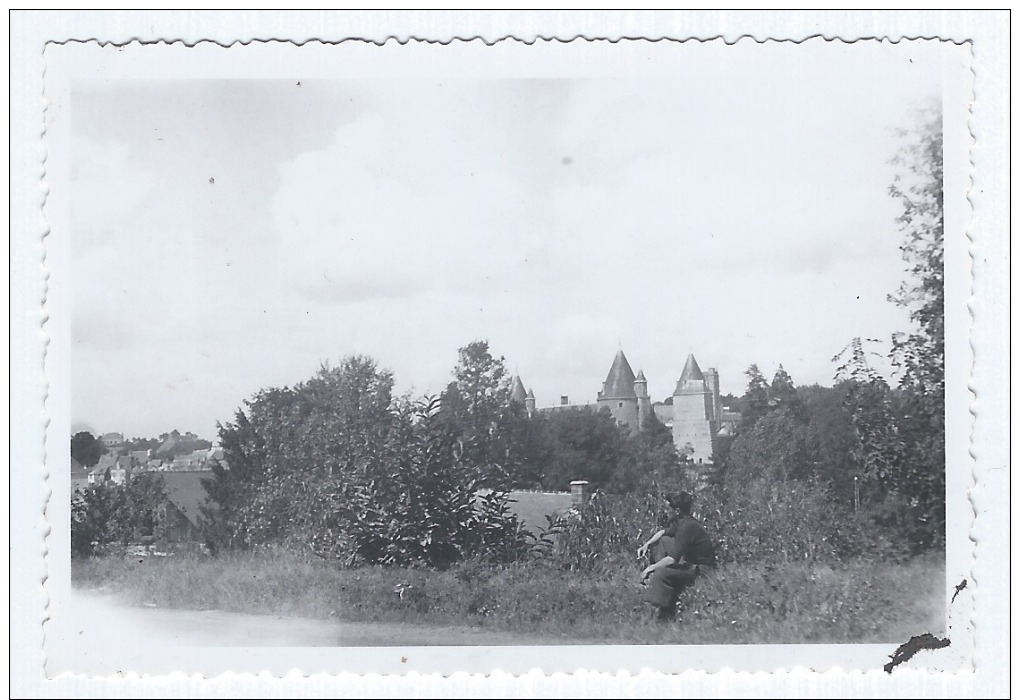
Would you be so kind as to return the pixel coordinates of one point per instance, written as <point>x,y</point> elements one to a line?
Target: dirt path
<point>100,621</point>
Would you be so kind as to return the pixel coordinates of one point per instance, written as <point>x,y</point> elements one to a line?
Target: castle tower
<point>712,380</point>
<point>618,393</point>
<point>693,412</point>
<point>529,403</point>
<point>644,404</point>
<point>517,392</point>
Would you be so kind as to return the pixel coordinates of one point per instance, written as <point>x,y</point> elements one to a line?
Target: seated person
<point>682,550</point>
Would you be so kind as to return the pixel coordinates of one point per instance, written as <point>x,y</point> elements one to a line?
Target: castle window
<point>621,404</point>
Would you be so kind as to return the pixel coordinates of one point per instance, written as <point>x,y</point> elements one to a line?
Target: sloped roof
<point>691,370</point>
<point>640,376</point>
<point>620,382</point>
<point>531,394</point>
<point>185,491</point>
<point>692,373</point>
<point>517,392</point>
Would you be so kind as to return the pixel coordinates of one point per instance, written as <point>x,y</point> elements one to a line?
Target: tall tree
<point>920,354</point>
<point>783,394</point>
<point>490,423</point>
<point>755,402</point>
<point>918,187</point>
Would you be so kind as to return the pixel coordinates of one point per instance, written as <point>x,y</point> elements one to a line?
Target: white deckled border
<point>989,250</point>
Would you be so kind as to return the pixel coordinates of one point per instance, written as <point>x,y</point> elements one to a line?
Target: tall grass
<point>740,603</point>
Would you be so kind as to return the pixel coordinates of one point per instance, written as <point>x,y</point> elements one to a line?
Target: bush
<point>424,509</point>
<point>117,514</point>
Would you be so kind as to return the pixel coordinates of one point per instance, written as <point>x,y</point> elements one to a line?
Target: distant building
<point>694,413</point>
<point>175,445</point>
<point>111,440</point>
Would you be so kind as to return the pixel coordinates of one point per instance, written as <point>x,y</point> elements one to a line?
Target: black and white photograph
<point>542,349</point>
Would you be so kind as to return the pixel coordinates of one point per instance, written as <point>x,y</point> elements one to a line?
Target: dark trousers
<point>665,584</point>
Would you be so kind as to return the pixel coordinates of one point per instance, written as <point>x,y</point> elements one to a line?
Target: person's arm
<point>643,549</point>
<point>649,570</point>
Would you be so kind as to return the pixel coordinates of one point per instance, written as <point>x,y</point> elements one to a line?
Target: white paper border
<point>988,307</point>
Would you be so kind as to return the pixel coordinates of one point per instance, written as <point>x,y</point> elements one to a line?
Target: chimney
<point>564,400</point>
<point>578,493</point>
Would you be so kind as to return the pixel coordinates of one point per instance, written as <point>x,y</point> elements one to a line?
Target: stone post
<point>578,493</point>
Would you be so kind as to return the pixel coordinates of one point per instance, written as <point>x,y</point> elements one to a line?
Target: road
<point>99,622</point>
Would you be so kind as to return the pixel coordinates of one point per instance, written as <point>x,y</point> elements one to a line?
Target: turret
<point>517,392</point>
<point>644,404</point>
<point>618,393</point>
<point>712,380</point>
<point>529,403</point>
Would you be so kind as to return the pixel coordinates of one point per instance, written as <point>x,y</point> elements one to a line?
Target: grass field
<point>532,507</point>
<point>741,603</point>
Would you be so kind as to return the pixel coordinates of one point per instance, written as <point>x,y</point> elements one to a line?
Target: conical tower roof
<point>640,376</point>
<point>517,392</point>
<point>688,378</point>
<point>620,382</point>
<point>691,370</point>
<point>531,394</point>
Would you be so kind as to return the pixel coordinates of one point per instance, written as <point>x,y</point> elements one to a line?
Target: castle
<point>694,413</point>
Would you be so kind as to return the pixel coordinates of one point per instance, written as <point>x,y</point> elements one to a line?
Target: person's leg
<point>659,549</point>
<point>664,585</point>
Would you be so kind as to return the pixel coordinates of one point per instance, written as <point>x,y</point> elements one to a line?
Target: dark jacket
<point>689,541</point>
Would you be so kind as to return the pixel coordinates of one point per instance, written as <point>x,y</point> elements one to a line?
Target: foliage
<point>488,422</point>
<point>117,514</point>
<point>337,465</point>
<point>290,448</point>
<point>920,354</point>
<point>755,402</point>
<point>424,508</point>
<point>797,520</point>
<point>87,448</point>
<point>899,432</point>
<point>604,532</point>
<point>777,447</point>
<point>575,443</point>
<point>918,187</point>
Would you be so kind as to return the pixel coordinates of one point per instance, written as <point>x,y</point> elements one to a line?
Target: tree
<point>918,186</point>
<point>490,424</point>
<point>117,514</point>
<point>290,450</point>
<point>782,393</point>
<point>575,443</point>
<point>87,448</point>
<point>899,433</point>
<point>755,402</point>
<point>920,354</point>
<point>777,447</point>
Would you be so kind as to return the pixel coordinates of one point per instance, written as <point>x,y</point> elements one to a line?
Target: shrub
<point>425,509</point>
<point>121,514</point>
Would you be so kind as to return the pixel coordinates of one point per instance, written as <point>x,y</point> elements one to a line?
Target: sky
<point>232,235</point>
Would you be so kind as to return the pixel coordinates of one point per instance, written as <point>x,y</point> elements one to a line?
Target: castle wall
<point>664,412</point>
